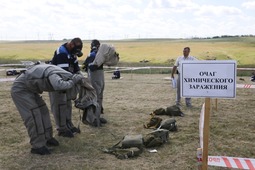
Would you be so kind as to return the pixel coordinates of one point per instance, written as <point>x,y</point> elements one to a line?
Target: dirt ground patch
<point>127,104</point>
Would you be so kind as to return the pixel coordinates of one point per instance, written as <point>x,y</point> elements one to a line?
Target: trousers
<point>61,107</point>
<point>34,113</point>
<point>97,81</point>
<point>178,94</point>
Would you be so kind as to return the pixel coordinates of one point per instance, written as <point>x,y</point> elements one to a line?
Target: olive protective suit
<point>26,91</point>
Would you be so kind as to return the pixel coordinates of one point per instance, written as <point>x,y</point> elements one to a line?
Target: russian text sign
<point>208,78</point>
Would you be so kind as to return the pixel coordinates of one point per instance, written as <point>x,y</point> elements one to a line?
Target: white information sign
<point>208,78</point>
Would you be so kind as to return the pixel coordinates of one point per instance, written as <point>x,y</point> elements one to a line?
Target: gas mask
<point>78,53</point>
<point>77,50</point>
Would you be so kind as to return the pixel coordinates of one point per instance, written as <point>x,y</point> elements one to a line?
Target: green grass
<point>157,51</point>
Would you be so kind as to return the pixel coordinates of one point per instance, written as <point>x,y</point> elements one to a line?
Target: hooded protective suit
<point>26,91</point>
<point>106,55</point>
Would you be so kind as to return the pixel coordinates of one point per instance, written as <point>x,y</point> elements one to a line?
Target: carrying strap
<point>121,153</point>
<point>113,148</point>
<point>78,126</point>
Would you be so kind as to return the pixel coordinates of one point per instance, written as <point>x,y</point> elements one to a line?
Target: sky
<point>124,19</point>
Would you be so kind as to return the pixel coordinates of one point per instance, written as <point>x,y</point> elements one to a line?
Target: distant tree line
<point>225,36</point>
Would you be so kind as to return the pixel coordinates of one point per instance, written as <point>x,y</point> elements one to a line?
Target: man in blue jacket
<point>65,57</point>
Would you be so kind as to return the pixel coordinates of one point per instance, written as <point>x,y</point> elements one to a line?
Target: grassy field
<point>157,51</point>
<point>127,104</point>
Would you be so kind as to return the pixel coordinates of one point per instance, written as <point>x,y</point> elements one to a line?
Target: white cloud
<point>219,11</point>
<point>117,19</point>
<point>249,4</point>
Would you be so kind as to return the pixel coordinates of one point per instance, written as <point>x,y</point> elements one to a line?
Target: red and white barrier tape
<point>232,162</point>
<point>223,161</point>
<point>245,86</point>
<point>6,79</point>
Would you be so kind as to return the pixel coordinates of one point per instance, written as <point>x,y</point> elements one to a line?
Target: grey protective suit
<point>106,55</point>
<point>97,80</point>
<point>26,91</point>
<point>87,101</point>
<point>61,106</point>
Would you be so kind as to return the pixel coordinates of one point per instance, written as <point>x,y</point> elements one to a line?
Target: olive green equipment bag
<point>160,111</point>
<point>130,146</point>
<point>170,111</point>
<point>130,141</point>
<point>174,111</point>
<point>169,124</point>
<point>156,138</point>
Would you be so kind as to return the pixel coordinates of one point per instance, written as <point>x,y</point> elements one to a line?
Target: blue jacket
<point>90,59</point>
<point>64,59</point>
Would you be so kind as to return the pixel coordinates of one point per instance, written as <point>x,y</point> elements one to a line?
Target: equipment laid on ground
<point>156,138</point>
<point>170,111</point>
<point>15,71</point>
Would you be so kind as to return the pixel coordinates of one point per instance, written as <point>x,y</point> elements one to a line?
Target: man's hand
<point>78,78</point>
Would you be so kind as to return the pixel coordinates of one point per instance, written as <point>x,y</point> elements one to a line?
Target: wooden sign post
<point>207,79</point>
<point>206,133</point>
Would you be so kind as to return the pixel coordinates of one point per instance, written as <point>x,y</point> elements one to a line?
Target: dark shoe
<point>41,151</point>
<point>72,128</point>
<point>52,142</point>
<point>75,130</point>
<point>85,122</point>
<point>95,123</point>
<point>103,120</point>
<point>66,133</point>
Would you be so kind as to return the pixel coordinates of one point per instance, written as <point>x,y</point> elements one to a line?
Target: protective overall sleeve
<point>106,55</point>
<point>86,83</point>
<point>59,84</point>
<point>78,78</point>
<point>101,55</point>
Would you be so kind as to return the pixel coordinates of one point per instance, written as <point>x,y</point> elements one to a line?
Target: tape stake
<point>201,125</point>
